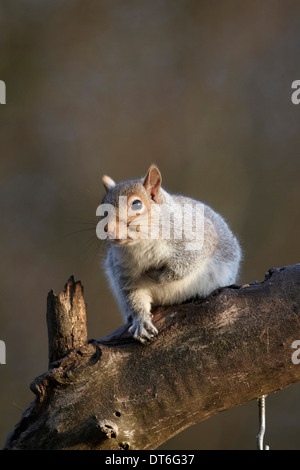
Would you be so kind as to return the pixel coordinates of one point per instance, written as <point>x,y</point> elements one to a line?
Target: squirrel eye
<point>137,205</point>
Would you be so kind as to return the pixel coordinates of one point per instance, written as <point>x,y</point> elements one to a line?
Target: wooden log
<point>210,355</point>
<point>66,320</point>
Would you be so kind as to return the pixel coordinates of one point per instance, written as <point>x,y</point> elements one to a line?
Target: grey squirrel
<point>146,271</point>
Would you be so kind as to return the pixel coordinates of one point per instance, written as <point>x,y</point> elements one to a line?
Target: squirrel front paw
<point>142,330</point>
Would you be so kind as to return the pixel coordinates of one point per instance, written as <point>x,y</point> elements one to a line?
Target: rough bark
<point>210,355</point>
<point>66,320</point>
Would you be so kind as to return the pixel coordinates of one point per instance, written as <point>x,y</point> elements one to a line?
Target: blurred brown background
<point>203,89</point>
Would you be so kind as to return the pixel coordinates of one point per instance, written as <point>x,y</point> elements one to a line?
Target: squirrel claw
<point>143,331</point>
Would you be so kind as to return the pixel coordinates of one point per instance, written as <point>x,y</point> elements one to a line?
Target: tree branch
<point>66,320</point>
<point>210,355</point>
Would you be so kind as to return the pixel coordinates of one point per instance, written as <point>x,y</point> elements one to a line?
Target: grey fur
<point>147,273</point>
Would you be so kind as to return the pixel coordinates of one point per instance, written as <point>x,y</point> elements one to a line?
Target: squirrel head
<point>130,203</point>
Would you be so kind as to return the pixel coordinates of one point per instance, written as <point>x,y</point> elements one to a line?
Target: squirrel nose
<point>110,231</point>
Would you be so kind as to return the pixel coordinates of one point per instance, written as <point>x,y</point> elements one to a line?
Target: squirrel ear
<point>152,182</point>
<point>108,182</point>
